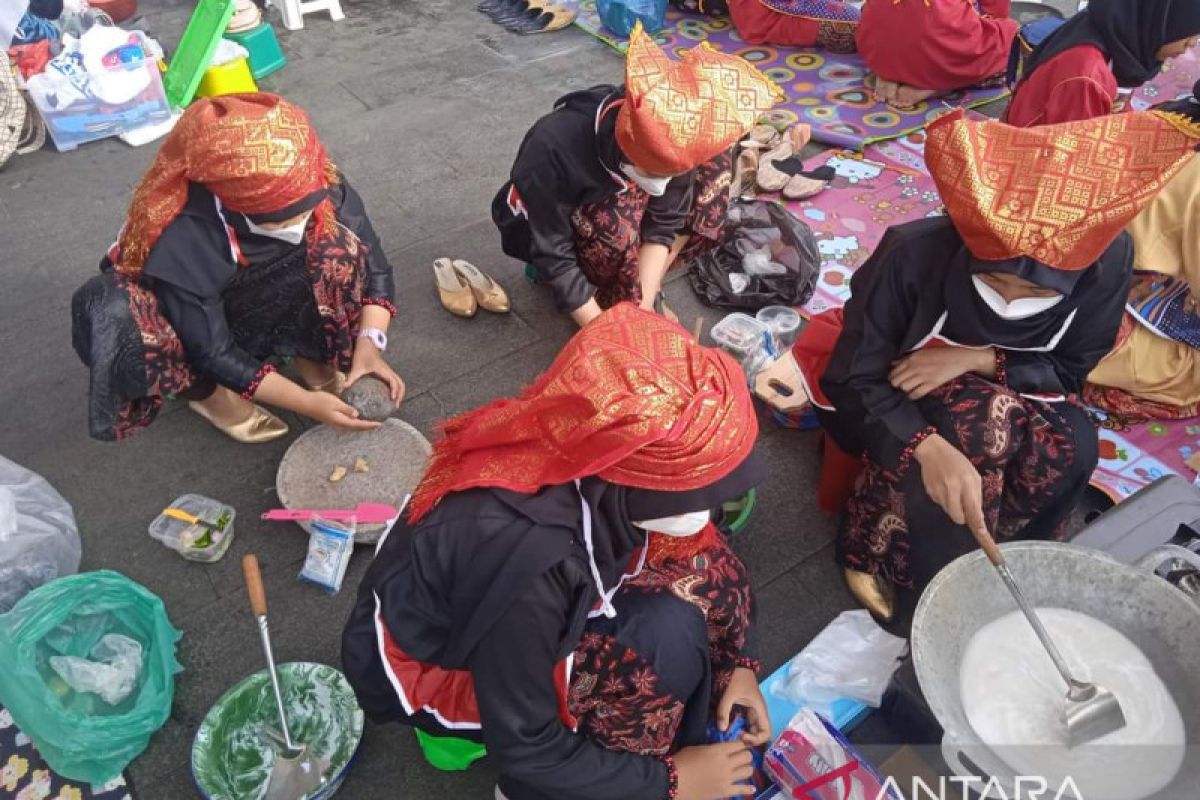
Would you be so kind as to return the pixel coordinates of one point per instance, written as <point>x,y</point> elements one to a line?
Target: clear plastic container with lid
<point>746,339</point>
<point>193,541</point>
<point>784,323</point>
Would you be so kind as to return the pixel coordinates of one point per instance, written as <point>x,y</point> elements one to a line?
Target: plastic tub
<point>233,77</point>
<point>746,339</point>
<point>183,537</point>
<point>90,118</point>
<point>784,323</point>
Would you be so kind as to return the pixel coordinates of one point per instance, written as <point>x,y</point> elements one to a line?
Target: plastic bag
<point>811,759</point>
<point>767,257</point>
<point>38,538</point>
<point>619,16</point>
<point>852,658</point>
<point>111,669</point>
<point>81,737</point>
<point>330,545</point>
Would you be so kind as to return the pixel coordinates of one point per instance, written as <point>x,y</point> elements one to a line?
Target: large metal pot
<point>968,594</point>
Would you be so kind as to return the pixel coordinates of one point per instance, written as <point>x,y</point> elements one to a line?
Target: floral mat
<point>25,776</point>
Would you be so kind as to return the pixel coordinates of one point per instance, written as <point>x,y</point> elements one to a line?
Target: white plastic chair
<point>294,10</point>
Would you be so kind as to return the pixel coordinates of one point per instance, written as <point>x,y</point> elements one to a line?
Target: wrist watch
<point>377,337</point>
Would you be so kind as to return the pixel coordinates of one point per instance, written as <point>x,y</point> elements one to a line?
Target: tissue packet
<point>811,760</point>
<point>330,545</point>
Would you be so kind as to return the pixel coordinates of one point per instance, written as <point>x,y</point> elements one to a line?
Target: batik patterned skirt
<point>1035,459</point>
<point>608,232</point>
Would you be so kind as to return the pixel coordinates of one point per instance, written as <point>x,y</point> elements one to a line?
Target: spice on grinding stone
<point>338,473</point>
<point>361,465</point>
<point>371,397</point>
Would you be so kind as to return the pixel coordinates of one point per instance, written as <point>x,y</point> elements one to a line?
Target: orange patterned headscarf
<point>677,115</point>
<point>1060,194</point>
<point>257,153</point>
<point>632,398</point>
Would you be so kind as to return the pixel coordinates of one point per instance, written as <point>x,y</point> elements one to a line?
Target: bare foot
<point>911,96</point>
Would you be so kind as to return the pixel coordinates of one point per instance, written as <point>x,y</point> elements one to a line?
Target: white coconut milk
<point>1014,699</point>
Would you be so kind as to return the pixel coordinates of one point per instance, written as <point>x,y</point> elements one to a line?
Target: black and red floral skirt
<point>608,232</point>
<point>1035,459</point>
<point>306,304</point>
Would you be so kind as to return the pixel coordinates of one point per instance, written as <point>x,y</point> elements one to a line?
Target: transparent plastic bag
<point>111,669</point>
<point>82,737</point>
<point>852,658</point>
<point>330,545</point>
<point>38,538</point>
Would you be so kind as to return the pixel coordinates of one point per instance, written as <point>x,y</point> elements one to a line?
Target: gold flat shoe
<point>488,294</point>
<point>335,385</point>
<point>260,427</point>
<point>872,592</point>
<point>456,296</point>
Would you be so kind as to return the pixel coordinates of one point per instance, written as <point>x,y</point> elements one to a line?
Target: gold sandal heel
<point>259,428</point>
<point>872,593</point>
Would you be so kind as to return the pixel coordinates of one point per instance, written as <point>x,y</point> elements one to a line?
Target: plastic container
<point>784,323</point>
<point>746,339</point>
<point>448,753</point>
<point>265,54</point>
<point>230,78</point>
<point>619,16</point>
<point>183,537</point>
<point>89,119</point>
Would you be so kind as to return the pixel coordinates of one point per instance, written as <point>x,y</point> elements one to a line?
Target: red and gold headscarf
<point>679,114</point>
<point>1060,194</point>
<point>632,398</point>
<point>257,153</point>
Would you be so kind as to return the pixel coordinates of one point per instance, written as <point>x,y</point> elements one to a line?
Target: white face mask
<point>1022,308</point>
<point>292,234</point>
<point>655,187</point>
<point>679,525</point>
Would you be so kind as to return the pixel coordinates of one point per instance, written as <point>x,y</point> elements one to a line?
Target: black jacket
<point>570,158</point>
<point>500,584</point>
<point>898,296</point>
<point>191,264</point>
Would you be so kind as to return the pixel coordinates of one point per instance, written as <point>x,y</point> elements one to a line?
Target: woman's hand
<point>368,360</point>
<point>919,373</point>
<point>334,412</point>
<point>714,771</point>
<point>952,481</point>
<point>743,691</point>
<point>586,312</point>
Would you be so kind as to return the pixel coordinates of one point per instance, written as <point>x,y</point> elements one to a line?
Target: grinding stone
<point>371,397</point>
<point>396,454</point>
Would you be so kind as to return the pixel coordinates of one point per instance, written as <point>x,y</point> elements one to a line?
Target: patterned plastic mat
<point>824,89</point>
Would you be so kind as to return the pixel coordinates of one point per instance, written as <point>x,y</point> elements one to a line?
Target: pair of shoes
<point>873,593</point>
<point>528,16</point>
<point>260,427</point>
<point>463,288</point>
<point>782,171</point>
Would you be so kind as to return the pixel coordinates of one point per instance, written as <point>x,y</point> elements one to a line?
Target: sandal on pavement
<point>488,294</point>
<point>456,296</point>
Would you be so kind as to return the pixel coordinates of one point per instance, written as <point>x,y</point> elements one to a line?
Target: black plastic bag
<point>758,236</point>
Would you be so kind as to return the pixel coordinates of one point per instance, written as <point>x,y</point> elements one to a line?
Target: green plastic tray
<point>196,49</point>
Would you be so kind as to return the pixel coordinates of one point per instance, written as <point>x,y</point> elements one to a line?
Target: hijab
<point>1129,32</point>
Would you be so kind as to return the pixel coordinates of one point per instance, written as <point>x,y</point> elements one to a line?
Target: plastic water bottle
<point>619,16</point>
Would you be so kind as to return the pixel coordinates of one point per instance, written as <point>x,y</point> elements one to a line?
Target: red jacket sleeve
<point>1075,84</point>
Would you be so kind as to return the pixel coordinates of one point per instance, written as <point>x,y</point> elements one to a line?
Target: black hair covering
<point>1129,32</point>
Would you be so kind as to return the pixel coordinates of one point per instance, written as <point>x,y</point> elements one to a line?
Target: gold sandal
<point>872,592</point>
<point>260,427</point>
<point>488,294</point>
<point>456,296</point>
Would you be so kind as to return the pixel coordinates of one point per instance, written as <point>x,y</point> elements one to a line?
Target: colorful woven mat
<point>824,89</point>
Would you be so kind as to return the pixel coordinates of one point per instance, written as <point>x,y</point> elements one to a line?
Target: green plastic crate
<point>196,49</point>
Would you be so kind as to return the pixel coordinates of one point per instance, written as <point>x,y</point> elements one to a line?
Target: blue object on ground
<point>619,16</point>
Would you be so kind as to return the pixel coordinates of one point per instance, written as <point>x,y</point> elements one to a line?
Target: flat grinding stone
<point>396,454</point>
<point>371,397</point>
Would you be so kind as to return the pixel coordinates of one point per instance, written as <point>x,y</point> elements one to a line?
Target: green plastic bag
<point>82,737</point>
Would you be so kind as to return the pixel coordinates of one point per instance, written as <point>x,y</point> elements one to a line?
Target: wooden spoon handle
<point>988,544</point>
<point>254,584</point>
